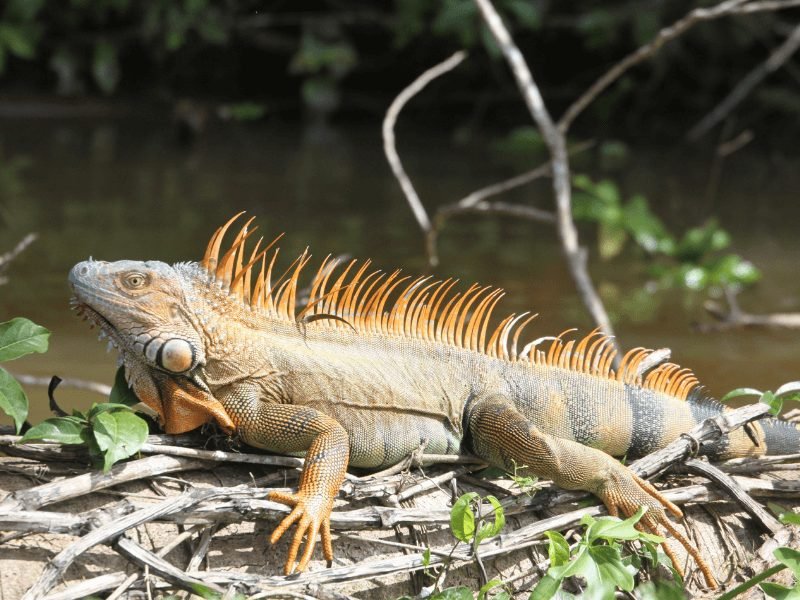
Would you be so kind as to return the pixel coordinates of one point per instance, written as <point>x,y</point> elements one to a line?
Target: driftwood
<point>115,520</point>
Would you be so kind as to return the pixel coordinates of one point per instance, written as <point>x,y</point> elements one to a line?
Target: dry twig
<point>389,147</point>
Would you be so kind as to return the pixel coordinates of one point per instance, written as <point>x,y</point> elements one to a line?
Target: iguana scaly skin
<point>376,364</point>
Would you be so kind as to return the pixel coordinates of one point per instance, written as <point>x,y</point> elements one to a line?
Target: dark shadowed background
<point>132,130</point>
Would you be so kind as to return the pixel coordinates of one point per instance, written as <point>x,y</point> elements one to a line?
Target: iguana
<point>375,364</point>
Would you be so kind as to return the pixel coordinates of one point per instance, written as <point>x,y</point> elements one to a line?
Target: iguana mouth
<point>87,313</point>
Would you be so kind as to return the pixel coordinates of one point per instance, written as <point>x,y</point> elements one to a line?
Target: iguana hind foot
<point>312,515</point>
<point>623,493</point>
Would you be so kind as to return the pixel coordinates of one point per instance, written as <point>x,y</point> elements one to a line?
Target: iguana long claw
<point>624,492</point>
<point>312,515</point>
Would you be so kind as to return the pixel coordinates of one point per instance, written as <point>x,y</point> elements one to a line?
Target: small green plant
<point>597,558</point>
<point>787,558</point>
<point>111,430</point>
<point>527,484</point>
<point>469,525</point>
<point>692,260</point>
<point>18,337</point>
<point>787,392</point>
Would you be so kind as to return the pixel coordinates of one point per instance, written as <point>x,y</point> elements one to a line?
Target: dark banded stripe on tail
<point>775,436</point>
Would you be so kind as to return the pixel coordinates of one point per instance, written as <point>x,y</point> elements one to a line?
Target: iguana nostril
<point>84,270</point>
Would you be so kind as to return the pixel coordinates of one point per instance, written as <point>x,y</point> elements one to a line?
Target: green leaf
<point>244,111</point>
<point>462,517</point>
<point>426,557</point>
<point>784,514</point>
<point>19,337</point>
<point>121,393</point>
<point>105,407</point>
<point>526,12</point>
<point>546,588</point>
<point>779,592</point>
<point>788,388</point>
<point>660,591</point>
<point>789,557</point>
<point>489,585</point>
<point>775,404</point>
<point>612,528</point>
<point>488,530</point>
<point>611,568</point>
<point>557,549</point>
<point>65,430</point>
<point>611,239</point>
<point>646,228</point>
<point>13,400</point>
<point>738,392</point>
<point>580,565</point>
<point>19,39</point>
<point>118,434</point>
<point>453,593</point>
<point>105,67</point>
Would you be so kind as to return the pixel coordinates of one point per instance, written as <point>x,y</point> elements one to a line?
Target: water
<point>117,189</point>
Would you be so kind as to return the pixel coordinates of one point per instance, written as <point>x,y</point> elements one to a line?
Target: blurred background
<point>133,129</point>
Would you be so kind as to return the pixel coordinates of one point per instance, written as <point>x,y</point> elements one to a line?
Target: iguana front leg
<point>288,429</point>
<point>504,437</point>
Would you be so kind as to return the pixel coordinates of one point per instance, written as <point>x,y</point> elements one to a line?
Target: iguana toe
<point>624,492</point>
<point>311,513</point>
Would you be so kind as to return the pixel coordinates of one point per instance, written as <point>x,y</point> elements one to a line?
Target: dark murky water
<point>124,189</point>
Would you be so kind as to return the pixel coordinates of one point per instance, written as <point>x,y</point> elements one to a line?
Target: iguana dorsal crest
<point>421,308</point>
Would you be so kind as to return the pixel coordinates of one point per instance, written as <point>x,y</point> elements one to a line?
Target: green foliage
<point>243,111</point>
<point>463,521</point>
<point>784,514</point>
<point>691,261</point>
<point>112,432</point>
<point>597,558</point>
<point>18,337</point>
<point>521,147</point>
<point>469,524</point>
<point>787,558</point>
<point>527,484</point>
<point>121,393</point>
<point>787,392</point>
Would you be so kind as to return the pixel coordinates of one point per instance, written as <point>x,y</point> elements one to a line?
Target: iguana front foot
<point>624,492</point>
<point>312,513</point>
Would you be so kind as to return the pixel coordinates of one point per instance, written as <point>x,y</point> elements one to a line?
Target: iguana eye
<point>135,280</point>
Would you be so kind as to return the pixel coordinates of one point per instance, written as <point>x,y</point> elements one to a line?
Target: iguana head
<point>142,308</point>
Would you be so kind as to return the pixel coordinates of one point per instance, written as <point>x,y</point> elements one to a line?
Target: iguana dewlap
<point>375,364</point>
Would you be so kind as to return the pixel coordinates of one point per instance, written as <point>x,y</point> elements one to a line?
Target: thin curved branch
<point>390,149</point>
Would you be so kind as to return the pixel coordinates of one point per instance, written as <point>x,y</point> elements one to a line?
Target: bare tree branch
<point>556,143</point>
<point>390,148</point>
<point>8,257</point>
<point>667,34</point>
<point>743,89</point>
<point>78,384</point>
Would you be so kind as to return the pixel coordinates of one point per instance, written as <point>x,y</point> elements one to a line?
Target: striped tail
<point>774,435</point>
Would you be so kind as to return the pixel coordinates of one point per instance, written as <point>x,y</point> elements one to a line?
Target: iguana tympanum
<point>376,364</point>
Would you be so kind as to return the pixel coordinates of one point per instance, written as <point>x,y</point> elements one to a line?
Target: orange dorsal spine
<point>423,309</point>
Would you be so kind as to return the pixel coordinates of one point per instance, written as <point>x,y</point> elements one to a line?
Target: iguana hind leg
<point>288,428</point>
<point>500,434</point>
